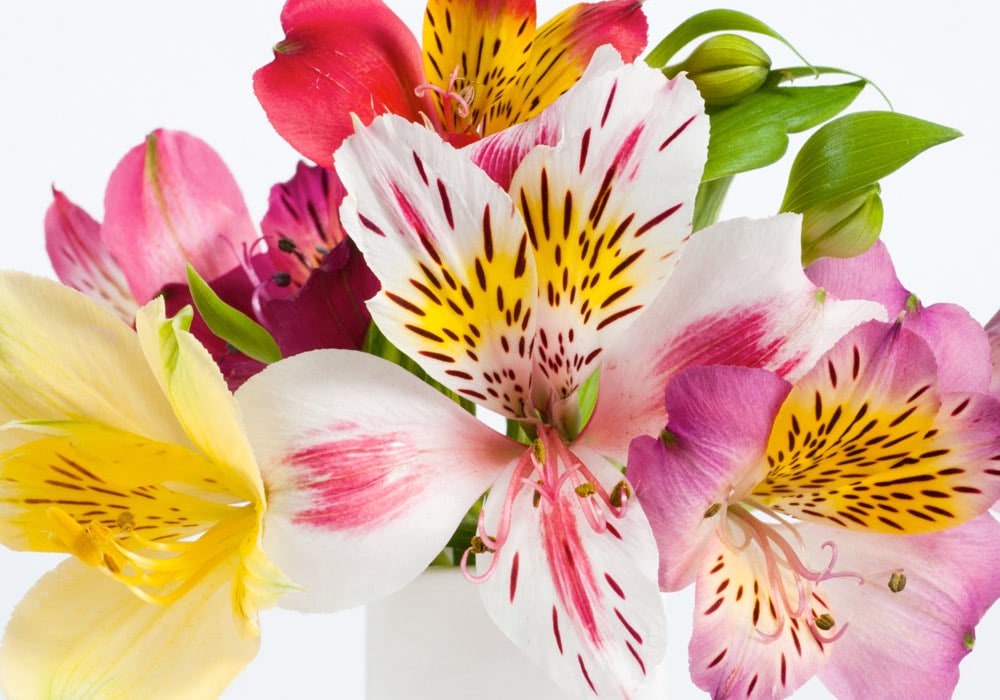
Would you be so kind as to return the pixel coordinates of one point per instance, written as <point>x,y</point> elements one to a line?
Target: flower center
<point>454,102</point>
<point>788,580</point>
<point>552,472</point>
<point>159,570</point>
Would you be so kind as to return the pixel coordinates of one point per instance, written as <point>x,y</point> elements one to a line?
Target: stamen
<point>585,489</point>
<point>825,622</point>
<point>897,581</point>
<point>448,96</point>
<point>712,510</point>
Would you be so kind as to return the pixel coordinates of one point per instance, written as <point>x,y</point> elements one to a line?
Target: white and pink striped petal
<point>458,281</point>
<point>362,463</point>
<point>738,297</point>
<point>573,583</point>
<point>607,209</point>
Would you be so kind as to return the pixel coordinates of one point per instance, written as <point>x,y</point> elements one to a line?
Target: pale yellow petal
<point>79,634</point>
<point>201,400</point>
<point>65,357</point>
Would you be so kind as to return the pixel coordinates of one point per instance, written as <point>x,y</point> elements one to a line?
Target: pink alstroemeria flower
<point>172,201</point>
<point>511,297</point>
<point>484,65</point>
<point>815,519</point>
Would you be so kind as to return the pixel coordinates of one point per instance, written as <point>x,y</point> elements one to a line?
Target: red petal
<point>338,57</point>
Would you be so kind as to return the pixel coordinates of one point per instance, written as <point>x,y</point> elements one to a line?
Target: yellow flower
<point>126,450</point>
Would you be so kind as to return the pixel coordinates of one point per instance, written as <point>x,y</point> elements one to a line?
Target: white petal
<point>368,472</point>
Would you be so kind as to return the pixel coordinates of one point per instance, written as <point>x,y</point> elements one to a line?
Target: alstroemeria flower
<point>786,505</point>
<point>484,65</point>
<point>126,450</point>
<point>993,334</point>
<point>511,297</point>
<point>171,202</point>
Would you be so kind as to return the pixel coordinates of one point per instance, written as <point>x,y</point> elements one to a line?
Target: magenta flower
<point>785,504</point>
<point>484,65</point>
<point>511,295</point>
<point>172,202</point>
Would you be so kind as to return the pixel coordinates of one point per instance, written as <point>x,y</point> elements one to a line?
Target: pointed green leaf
<point>855,151</point>
<point>232,325</point>
<point>754,132</point>
<point>707,23</point>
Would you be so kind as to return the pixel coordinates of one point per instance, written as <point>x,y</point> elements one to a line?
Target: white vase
<point>434,641</point>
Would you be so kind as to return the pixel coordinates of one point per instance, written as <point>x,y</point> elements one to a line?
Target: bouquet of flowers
<point>497,325</point>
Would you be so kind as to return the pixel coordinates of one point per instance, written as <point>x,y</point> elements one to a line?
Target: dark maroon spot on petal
<point>614,586</point>
<point>717,659</point>
<point>715,606</point>
<point>370,225</point>
<point>635,654</point>
<point>656,220</point>
<point>630,628</point>
<point>420,168</point>
<point>607,105</point>
<point>555,628</point>
<point>515,563</point>
<point>677,132</point>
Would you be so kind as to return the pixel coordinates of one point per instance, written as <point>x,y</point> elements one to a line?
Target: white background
<point>82,82</point>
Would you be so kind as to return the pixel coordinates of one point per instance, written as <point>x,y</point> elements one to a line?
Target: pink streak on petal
<point>362,498</point>
<point>169,202</point>
<point>569,566</point>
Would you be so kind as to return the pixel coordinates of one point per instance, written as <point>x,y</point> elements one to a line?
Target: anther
<point>478,546</point>
<point>825,622</point>
<point>897,581</point>
<point>282,279</point>
<point>125,521</point>
<point>668,438</point>
<point>538,449</point>
<point>713,509</point>
<point>585,489</point>
<point>619,494</point>
<point>286,245</point>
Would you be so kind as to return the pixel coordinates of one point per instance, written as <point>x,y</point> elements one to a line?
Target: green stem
<point>708,202</point>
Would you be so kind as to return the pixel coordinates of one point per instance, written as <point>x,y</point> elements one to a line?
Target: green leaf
<point>708,202</point>
<point>855,151</point>
<point>707,23</point>
<point>232,325</point>
<point>754,132</point>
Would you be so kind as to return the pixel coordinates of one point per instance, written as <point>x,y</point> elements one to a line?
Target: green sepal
<point>232,325</point>
<point>856,151</point>
<point>706,23</point>
<point>754,132</point>
<point>380,346</point>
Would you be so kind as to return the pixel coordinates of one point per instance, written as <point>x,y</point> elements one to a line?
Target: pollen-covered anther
<point>825,622</point>
<point>585,490</point>
<point>538,451</point>
<point>620,494</point>
<point>713,509</point>
<point>125,521</point>
<point>286,245</point>
<point>897,581</point>
<point>478,546</point>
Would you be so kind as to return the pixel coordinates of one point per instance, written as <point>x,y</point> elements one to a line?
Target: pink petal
<point>458,281</point>
<point>865,440</point>
<point>368,472</point>
<point>720,421</point>
<point>738,297</point>
<point>583,604</point>
<point>338,58</point>
<point>909,642</point>
<point>169,202</point>
<point>736,614</point>
<point>955,338</point>
<point>80,258</point>
<point>870,275</point>
<point>993,333</point>
<point>302,224</point>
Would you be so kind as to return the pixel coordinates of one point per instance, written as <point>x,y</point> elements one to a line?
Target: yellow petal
<point>64,357</point>
<point>95,474</point>
<point>79,634</point>
<point>200,398</point>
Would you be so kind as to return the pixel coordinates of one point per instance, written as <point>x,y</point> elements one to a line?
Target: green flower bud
<point>843,227</point>
<point>726,68</point>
